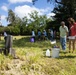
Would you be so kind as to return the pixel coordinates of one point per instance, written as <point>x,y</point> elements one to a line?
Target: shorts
<point>71,37</point>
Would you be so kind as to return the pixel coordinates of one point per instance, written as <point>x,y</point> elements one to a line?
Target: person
<point>49,34</point>
<point>72,36</point>
<point>63,35</point>
<point>5,36</point>
<point>33,34</point>
<point>39,35</point>
<point>54,35</point>
<point>44,35</point>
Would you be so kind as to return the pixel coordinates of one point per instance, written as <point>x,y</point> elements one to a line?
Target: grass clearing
<point>32,60</point>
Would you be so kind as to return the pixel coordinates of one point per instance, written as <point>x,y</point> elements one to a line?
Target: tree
<point>61,13</point>
<point>69,4</point>
<point>49,1</point>
<point>37,21</point>
<point>11,16</point>
<point>23,25</point>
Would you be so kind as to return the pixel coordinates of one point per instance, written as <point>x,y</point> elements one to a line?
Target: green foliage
<point>65,9</point>
<point>15,30</point>
<point>24,26</point>
<point>1,30</point>
<point>11,16</point>
<point>61,13</point>
<point>37,21</point>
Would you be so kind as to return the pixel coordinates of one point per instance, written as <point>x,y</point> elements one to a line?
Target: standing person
<point>54,35</point>
<point>39,35</point>
<point>63,34</point>
<point>33,34</point>
<point>44,35</point>
<point>49,34</point>
<point>5,36</point>
<point>72,37</point>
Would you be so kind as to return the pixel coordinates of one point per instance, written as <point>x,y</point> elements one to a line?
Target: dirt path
<point>14,68</point>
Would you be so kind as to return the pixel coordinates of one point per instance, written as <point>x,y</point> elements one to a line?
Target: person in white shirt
<point>5,36</point>
<point>63,34</point>
<point>33,34</point>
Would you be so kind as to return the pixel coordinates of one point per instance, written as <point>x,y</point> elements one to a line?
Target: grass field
<point>32,60</point>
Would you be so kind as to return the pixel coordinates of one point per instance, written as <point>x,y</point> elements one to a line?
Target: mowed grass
<point>32,60</point>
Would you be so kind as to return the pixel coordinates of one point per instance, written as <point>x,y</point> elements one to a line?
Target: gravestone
<point>8,46</point>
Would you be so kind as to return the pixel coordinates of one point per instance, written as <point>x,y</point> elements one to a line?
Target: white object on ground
<point>47,52</point>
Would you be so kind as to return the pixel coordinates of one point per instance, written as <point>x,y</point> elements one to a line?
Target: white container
<point>55,52</point>
<point>53,42</point>
<point>48,52</point>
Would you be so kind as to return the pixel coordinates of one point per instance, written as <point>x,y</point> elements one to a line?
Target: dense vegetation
<point>24,26</point>
<point>63,8</point>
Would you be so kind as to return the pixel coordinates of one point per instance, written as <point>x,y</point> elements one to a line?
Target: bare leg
<point>73,44</point>
<point>69,45</point>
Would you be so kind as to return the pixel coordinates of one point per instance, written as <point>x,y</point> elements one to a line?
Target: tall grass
<point>32,60</point>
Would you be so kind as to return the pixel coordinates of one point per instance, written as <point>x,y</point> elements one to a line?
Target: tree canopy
<point>69,5</point>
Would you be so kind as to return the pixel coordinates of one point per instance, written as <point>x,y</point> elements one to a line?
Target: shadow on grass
<point>61,57</point>
<point>46,49</point>
<point>21,42</point>
<point>67,56</point>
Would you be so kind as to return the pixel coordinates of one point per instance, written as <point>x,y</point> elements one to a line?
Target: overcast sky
<point>23,7</point>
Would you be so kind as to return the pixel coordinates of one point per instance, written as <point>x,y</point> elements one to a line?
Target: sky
<point>23,7</point>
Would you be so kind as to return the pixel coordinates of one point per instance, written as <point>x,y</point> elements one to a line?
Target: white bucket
<point>55,52</point>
